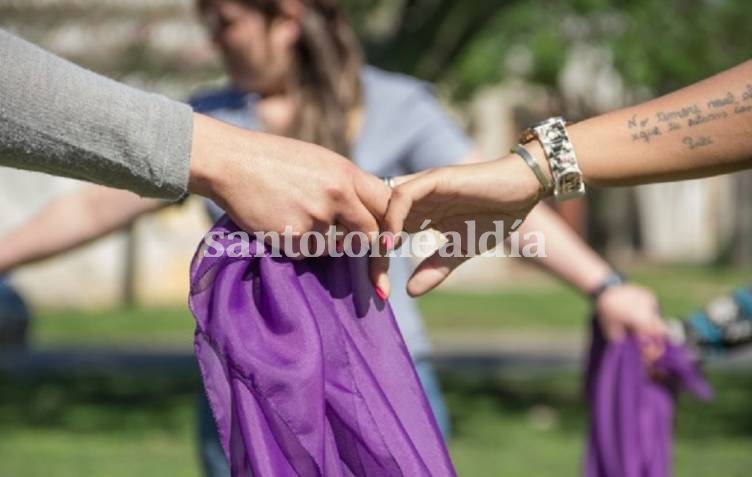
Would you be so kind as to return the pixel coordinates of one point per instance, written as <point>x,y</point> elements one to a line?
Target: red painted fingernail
<point>387,240</point>
<point>380,293</point>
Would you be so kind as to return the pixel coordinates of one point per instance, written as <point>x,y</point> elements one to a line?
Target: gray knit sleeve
<point>58,118</point>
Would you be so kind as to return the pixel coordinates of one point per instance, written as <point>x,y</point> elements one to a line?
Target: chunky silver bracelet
<point>566,173</point>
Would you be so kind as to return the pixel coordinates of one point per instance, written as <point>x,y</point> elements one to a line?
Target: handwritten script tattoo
<point>646,134</point>
<point>693,143</point>
<point>682,113</point>
<point>706,118</point>
<point>665,123</point>
<point>722,102</point>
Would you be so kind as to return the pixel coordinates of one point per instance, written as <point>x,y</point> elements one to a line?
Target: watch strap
<point>614,279</point>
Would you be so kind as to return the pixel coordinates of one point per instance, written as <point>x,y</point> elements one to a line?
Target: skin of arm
<point>701,130</point>
<point>570,259</point>
<point>304,186</point>
<point>64,120</point>
<point>567,256</point>
<point>71,221</point>
<point>620,308</point>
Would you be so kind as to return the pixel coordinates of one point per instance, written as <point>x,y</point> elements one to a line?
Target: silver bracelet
<point>566,173</point>
<point>533,164</point>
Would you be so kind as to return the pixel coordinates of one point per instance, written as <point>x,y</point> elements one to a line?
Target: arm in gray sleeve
<point>58,118</point>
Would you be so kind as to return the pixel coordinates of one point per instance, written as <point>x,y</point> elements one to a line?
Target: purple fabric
<point>306,371</point>
<point>631,411</point>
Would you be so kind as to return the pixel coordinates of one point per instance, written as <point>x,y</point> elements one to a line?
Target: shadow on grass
<point>139,404</point>
<point>561,397</point>
<point>98,403</point>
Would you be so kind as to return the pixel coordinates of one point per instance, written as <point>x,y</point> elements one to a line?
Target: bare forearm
<point>702,130</point>
<point>567,255</point>
<point>70,222</point>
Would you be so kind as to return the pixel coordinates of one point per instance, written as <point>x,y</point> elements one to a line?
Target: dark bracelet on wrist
<point>614,279</point>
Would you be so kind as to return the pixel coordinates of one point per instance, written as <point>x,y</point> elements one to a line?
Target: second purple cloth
<point>305,369</point>
<point>632,412</point>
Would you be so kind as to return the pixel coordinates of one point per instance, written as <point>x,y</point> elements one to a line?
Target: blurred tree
<point>657,44</point>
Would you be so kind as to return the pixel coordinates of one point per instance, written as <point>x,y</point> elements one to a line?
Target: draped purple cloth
<point>632,408</point>
<point>306,371</point>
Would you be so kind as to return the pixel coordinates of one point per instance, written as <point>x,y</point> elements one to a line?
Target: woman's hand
<point>503,190</point>
<point>632,308</point>
<point>267,183</point>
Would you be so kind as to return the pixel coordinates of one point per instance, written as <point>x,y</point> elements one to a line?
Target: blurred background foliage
<point>514,424</point>
<point>657,45</point>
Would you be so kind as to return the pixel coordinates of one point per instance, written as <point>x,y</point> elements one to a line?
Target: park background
<point>107,384</point>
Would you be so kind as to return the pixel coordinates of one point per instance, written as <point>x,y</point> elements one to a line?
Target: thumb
<point>431,272</point>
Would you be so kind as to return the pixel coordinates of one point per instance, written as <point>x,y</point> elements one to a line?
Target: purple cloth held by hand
<point>631,412</point>
<point>305,369</point>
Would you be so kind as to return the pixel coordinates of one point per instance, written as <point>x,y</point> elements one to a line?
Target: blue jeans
<point>213,459</point>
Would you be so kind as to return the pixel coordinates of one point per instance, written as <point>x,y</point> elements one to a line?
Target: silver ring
<point>389,181</point>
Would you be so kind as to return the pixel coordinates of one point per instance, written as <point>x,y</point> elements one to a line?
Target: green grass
<point>108,426</point>
<point>516,425</point>
<point>527,426</point>
<point>512,426</point>
<point>126,327</point>
<point>556,306</point>
<point>527,306</point>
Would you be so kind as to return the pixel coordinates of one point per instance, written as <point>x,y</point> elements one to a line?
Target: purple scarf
<point>631,412</point>
<point>306,371</point>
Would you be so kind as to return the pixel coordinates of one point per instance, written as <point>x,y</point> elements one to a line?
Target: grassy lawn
<point>556,306</point>
<point>513,425</point>
<point>528,426</point>
<point>527,306</point>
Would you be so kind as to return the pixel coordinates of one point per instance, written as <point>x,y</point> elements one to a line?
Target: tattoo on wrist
<point>680,122</point>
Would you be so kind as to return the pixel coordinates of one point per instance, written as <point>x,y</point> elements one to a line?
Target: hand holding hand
<point>267,183</point>
<point>502,190</point>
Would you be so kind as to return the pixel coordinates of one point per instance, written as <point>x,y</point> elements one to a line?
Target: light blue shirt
<point>404,130</point>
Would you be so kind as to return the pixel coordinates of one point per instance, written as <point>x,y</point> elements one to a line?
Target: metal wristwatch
<point>566,173</point>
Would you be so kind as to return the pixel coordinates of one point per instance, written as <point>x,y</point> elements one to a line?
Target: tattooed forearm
<point>696,142</point>
<point>706,118</point>
<point>720,103</point>
<point>679,114</point>
<point>667,123</point>
<point>646,135</point>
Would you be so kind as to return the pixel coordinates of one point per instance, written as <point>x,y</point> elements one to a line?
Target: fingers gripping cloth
<point>305,369</point>
<point>632,408</point>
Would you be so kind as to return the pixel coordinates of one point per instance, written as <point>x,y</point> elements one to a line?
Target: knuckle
<point>335,192</point>
<point>398,195</point>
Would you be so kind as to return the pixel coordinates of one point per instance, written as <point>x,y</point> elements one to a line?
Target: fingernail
<point>380,293</point>
<point>339,247</point>
<point>387,241</point>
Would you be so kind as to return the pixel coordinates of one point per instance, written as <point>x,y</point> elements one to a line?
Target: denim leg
<point>430,383</point>
<point>213,460</point>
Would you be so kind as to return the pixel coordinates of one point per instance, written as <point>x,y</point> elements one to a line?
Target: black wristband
<point>614,279</point>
